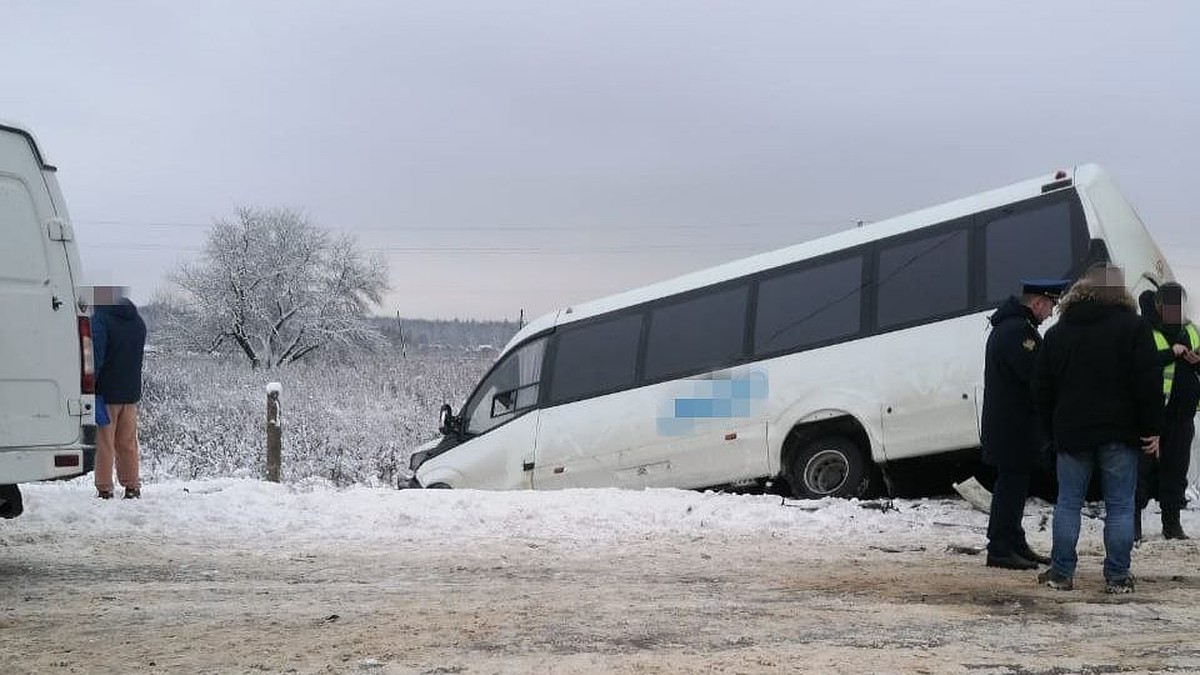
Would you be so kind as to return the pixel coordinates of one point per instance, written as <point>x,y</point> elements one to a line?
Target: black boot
<point>1012,561</point>
<point>1171,527</point>
<point>1029,554</point>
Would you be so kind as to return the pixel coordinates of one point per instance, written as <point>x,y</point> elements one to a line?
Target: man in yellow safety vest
<point>1165,477</point>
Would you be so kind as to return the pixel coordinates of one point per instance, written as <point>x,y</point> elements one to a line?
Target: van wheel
<point>829,466</point>
<point>437,486</point>
<point>10,501</point>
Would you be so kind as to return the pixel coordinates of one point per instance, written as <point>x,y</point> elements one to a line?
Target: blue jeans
<point>1118,476</point>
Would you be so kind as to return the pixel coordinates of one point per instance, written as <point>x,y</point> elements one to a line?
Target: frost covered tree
<point>275,287</point>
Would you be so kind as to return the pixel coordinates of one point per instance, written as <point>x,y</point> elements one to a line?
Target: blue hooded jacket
<point>118,341</point>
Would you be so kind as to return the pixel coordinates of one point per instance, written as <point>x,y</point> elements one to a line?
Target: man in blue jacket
<point>118,342</point>
<point>1011,438</point>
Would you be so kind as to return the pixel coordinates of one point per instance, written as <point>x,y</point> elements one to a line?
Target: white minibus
<point>829,364</point>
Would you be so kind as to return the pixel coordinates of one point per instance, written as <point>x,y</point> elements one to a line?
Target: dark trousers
<point>1005,533</point>
<point>1165,478</point>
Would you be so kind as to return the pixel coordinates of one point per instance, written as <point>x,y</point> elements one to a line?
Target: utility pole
<point>400,329</point>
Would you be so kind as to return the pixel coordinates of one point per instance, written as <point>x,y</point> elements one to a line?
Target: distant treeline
<point>452,334</point>
<point>455,334</point>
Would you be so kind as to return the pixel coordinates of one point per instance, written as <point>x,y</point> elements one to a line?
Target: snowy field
<point>240,576</point>
<point>351,423</point>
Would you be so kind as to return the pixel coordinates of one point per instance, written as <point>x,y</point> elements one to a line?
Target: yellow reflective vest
<point>1161,343</point>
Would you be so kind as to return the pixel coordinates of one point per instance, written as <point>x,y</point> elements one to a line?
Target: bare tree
<point>275,287</point>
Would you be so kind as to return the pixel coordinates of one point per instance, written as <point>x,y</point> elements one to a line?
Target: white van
<point>46,370</point>
<point>827,364</point>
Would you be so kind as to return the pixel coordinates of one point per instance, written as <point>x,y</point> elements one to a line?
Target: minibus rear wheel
<point>828,466</point>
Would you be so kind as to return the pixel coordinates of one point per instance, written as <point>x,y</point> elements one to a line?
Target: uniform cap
<point>1051,288</point>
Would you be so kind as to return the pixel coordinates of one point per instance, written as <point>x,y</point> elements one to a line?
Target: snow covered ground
<point>236,575</point>
<point>314,514</point>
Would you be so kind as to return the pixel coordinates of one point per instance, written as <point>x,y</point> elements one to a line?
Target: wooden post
<point>274,433</point>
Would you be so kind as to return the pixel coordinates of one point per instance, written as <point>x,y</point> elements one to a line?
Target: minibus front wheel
<point>828,466</point>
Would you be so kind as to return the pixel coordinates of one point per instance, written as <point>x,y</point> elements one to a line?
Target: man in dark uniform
<point>1011,437</point>
<point>1165,477</point>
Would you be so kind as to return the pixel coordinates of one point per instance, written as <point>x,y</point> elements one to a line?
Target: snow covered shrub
<point>350,423</point>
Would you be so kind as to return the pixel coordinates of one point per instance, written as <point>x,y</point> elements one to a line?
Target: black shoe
<point>1171,527</point>
<point>1028,554</point>
<point>104,494</point>
<point>1012,561</point>
<point>133,493</point>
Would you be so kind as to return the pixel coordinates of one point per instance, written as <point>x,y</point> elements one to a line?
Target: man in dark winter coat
<point>118,343</point>
<point>1098,395</point>
<point>1012,440</point>
<point>1165,478</point>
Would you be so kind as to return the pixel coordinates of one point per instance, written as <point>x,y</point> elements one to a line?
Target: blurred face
<point>1109,276</point>
<point>108,295</point>
<point>1173,313</point>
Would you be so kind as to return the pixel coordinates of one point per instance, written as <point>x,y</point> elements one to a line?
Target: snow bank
<point>314,513</point>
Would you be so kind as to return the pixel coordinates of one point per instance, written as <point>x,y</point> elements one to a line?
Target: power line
<point>472,250</point>
<point>493,228</point>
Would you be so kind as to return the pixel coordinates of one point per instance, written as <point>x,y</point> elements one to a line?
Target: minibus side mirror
<point>447,424</point>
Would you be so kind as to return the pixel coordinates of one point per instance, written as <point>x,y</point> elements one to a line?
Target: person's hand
<point>1179,350</point>
<point>1150,445</point>
<point>1192,357</point>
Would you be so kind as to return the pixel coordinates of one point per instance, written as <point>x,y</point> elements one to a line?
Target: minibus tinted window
<point>809,306</point>
<point>923,278</point>
<point>700,333</point>
<point>1032,243</point>
<point>595,358</point>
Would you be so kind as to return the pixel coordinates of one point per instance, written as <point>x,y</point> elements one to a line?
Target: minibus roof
<point>808,249</point>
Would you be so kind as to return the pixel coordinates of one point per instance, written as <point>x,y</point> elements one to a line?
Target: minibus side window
<point>809,306</point>
<point>509,389</point>
<point>700,333</point>
<point>1032,243</point>
<point>923,278</point>
<point>595,359</point>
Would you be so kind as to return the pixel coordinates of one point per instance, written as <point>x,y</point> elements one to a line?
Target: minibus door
<point>929,402</point>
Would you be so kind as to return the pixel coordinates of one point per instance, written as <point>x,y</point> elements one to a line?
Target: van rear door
<point>41,402</point>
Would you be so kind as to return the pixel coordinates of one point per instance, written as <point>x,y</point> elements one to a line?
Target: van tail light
<point>87,364</point>
<point>64,461</point>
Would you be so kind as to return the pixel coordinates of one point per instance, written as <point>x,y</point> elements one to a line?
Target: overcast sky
<point>528,155</point>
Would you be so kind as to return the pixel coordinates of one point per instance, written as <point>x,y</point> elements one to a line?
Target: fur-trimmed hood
<point>1087,302</point>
